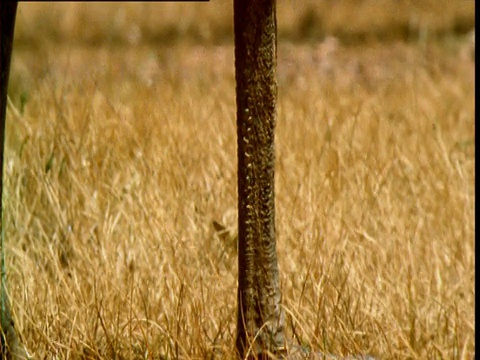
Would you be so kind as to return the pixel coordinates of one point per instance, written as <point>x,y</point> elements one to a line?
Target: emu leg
<point>260,324</point>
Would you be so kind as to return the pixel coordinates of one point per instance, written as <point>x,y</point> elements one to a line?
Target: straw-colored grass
<point>120,159</point>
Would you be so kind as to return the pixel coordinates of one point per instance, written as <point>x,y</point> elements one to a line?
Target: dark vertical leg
<point>260,325</point>
<point>10,344</point>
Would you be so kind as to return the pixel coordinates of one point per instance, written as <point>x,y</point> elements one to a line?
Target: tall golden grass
<point>121,165</point>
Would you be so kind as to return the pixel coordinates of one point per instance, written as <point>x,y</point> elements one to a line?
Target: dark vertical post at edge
<point>10,344</point>
<point>260,324</point>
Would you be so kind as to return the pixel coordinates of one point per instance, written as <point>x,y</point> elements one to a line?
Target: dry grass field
<point>121,171</point>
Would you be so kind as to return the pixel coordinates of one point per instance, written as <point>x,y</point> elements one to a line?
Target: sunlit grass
<point>120,160</point>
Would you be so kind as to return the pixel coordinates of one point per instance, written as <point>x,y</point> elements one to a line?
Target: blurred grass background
<point>352,21</point>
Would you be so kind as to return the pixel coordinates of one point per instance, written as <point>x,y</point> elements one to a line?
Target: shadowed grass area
<point>120,192</point>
